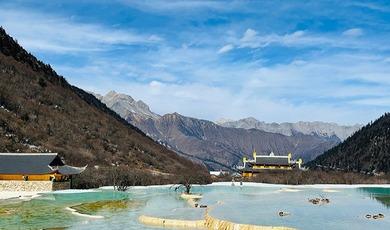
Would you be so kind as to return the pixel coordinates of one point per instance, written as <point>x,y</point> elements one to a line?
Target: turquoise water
<point>258,205</point>
<point>346,210</point>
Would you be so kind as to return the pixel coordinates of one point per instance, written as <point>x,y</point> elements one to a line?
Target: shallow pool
<point>257,204</point>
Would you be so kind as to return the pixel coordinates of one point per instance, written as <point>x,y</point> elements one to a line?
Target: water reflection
<point>380,194</point>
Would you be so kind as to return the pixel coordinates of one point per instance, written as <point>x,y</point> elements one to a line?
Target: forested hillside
<point>41,112</point>
<point>367,151</point>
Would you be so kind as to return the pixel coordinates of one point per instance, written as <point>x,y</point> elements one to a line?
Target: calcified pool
<point>338,207</point>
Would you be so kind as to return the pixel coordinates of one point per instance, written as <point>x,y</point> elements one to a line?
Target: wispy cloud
<point>50,33</point>
<point>354,32</point>
<point>225,48</point>
<point>372,6</point>
<point>175,5</point>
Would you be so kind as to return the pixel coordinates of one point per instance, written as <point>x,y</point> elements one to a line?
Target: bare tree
<point>120,178</point>
<point>188,178</point>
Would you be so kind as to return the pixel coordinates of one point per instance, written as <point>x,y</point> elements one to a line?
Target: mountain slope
<point>214,145</point>
<point>41,112</point>
<point>368,150</point>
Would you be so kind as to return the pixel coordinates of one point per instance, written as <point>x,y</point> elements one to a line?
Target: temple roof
<point>274,160</point>
<point>35,163</point>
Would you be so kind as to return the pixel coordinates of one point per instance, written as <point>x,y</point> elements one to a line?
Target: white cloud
<point>299,62</point>
<point>180,6</point>
<point>354,32</point>
<point>251,39</point>
<point>225,49</point>
<point>156,84</point>
<point>380,101</point>
<point>294,37</point>
<point>155,38</point>
<point>159,65</point>
<point>373,6</point>
<point>301,39</point>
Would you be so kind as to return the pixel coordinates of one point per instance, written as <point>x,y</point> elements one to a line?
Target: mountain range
<point>223,144</point>
<point>309,128</point>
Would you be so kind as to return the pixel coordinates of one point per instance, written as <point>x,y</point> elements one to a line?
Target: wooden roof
<point>35,163</point>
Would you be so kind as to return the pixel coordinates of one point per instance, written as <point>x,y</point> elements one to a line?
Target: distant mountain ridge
<point>213,144</point>
<point>288,129</point>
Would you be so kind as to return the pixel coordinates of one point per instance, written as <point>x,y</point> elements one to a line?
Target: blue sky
<point>276,61</point>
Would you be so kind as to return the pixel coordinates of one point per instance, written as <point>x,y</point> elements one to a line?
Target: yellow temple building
<point>266,162</point>
<point>34,168</point>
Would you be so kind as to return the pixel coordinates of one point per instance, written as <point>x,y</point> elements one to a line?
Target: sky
<point>276,61</point>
